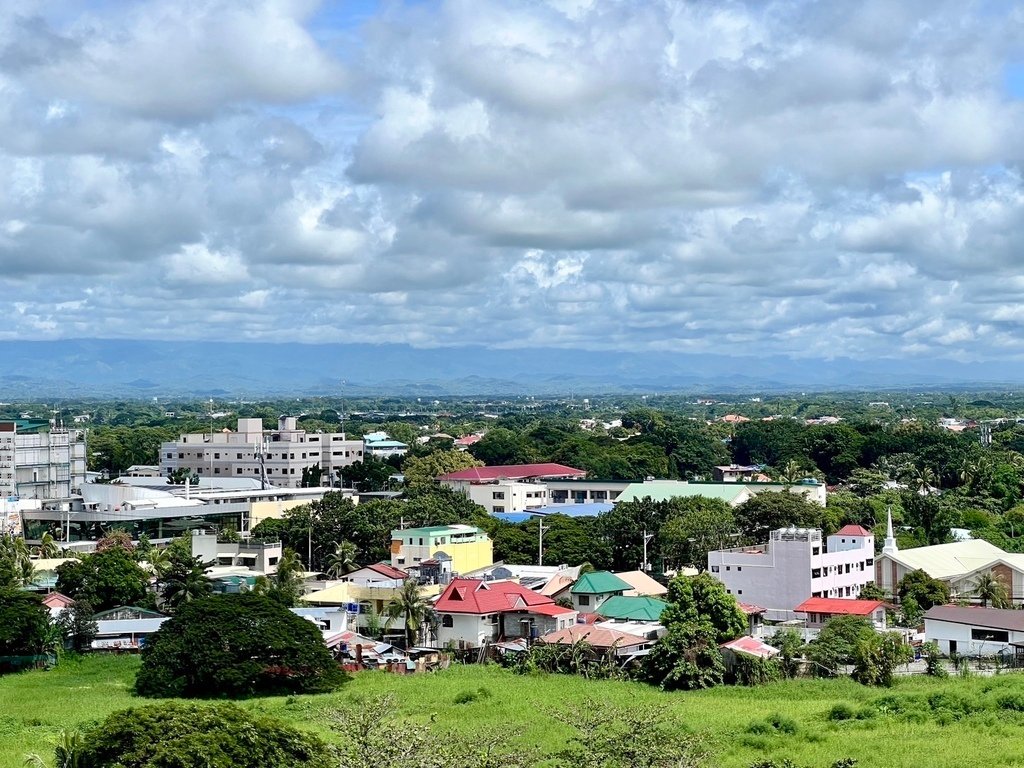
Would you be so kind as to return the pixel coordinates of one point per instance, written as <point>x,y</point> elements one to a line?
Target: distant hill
<point>84,367</point>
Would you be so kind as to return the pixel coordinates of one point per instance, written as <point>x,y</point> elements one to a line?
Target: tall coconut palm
<point>988,588</point>
<point>412,607</point>
<point>47,548</point>
<point>287,581</point>
<point>184,586</point>
<point>342,560</point>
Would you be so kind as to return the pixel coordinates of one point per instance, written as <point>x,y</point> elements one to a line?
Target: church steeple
<point>890,547</point>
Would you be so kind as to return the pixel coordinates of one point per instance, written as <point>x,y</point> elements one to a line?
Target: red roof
<point>853,530</point>
<point>481,597</point>
<point>598,637</point>
<point>752,646</point>
<point>835,605</point>
<point>513,472</point>
<point>550,610</point>
<point>750,609</point>
<point>469,440</point>
<point>388,571</point>
<point>57,600</point>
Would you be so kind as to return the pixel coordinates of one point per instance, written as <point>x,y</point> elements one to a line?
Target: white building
<point>39,460</point>
<point>974,631</point>
<point>276,457</point>
<point>796,564</point>
<point>508,496</point>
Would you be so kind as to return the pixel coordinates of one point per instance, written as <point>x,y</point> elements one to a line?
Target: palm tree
<point>287,581</point>
<point>342,560</point>
<point>47,547</point>
<point>412,607</point>
<point>989,588</point>
<point>185,586</point>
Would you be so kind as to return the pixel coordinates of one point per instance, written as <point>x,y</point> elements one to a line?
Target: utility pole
<point>647,537</point>
<point>540,545</point>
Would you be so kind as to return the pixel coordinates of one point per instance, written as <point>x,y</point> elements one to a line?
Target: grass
<point>953,723</point>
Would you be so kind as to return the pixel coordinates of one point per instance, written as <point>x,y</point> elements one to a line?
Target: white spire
<point>890,546</point>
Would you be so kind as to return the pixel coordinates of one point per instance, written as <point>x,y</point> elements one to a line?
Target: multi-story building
<point>39,460</point>
<point>468,547</point>
<point>275,457</point>
<point>796,564</point>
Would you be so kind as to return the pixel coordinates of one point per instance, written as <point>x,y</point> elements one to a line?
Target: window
<point>816,550</point>
<point>238,471</point>
<point>421,542</point>
<point>216,455</point>
<point>583,599</point>
<point>815,573</point>
<point>739,567</point>
<point>728,567</point>
<point>497,509</point>
<point>990,635</point>
<point>447,621</point>
<point>714,569</point>
<point>870,562</point>
<point>499,495</point>
<point>272,561</point>
<point>847,568</point>
<point>739,591</point>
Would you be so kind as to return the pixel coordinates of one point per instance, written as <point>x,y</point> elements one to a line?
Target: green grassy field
<point>955,723</point>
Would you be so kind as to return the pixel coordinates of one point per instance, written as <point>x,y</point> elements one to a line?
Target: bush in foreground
<point>235,646</point>
<point>178,734</point>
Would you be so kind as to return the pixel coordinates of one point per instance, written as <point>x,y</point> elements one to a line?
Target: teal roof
<point>663,490</point>
<point>598,583</point>
<point>632,608</point>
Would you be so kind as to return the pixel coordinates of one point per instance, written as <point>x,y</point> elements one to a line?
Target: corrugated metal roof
<point>599,582</point>
<point>992,618</point>
<point>663,490</point>
<point>945,561</point>
<point>635,608</point>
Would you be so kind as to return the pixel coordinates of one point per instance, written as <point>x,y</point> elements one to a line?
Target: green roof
<point>599,582</point>
<point>632,608</point>
<point>435,530</point>
<point>663,490</point>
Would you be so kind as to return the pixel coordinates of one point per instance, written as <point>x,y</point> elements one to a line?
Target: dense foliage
<point>236,645</point>
<point>177,734</point>
<point>106,579</point>
<point>24,623</point>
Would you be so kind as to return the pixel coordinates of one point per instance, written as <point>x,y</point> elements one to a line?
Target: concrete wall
<point>945,632</point>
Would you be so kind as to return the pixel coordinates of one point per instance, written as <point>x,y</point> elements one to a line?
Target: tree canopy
<point>236,645</point>
<point>24,623</point>
<point>106,579</point>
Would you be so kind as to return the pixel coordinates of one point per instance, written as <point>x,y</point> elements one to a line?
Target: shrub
<point>1013,701</point>
<point>842,711</point>
<point>776,723</point>
<point>176,734</point>
<point>469,696</point>
<point>236,645</point>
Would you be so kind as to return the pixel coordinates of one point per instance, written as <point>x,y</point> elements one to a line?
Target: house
<point>631,608</point>
<point>330,620</point>
<point>796,563</point>
<point>592,589</point>
<point>56,603</point>
<point>376,575</point>
<point>472,612</point>
<point>642,584</point>
<point>508,488</point>
<point>755,618</point>
<point>819,610</point>
<point>256,556</point>
<point>602,640</point>
<point>469,547</point>
<point>958,564</point>
<point>738,473</point>
<point>749,646</point>
<point>125,627</point>
<point>381,446</point>
<point>976,631</point>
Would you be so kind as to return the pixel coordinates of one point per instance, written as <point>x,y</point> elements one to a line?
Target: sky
<point>811,179</point>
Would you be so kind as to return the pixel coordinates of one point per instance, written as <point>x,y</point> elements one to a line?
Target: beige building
<point>277,457</point>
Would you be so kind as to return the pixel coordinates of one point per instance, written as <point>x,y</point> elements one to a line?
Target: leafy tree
<point>183,580</point>
<point>105,579</point>
<point>235,645</point>
<point>910,612</point>
<point>370,474</point>
<point>766,512</point>
<point>876,657</point>
<point>837,641</point>
<point>503,446</point>
<point>872,591</point>
<point>24,623</point>
<point>695,526</point>
<point>768,442</point>
<point>703,599</point>
<point>932,655</point>
<point>311,476</point>
<point>687,657</point>
<point>286,583</point>
<point>791,648</point>
<point>623,528</point>
<point>925,590</point>
<point>77,625</point>
<point>422,470</point>
<point>412,608</point>
<point>176,734</point>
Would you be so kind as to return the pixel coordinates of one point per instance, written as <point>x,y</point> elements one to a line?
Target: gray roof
<point>992,618</point>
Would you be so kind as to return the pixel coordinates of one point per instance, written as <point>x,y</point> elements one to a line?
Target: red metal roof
<point>513,472</point>
<point>853,530</point>
<point>550,610</point>
<point>481,597</point>
<point>835,605</point>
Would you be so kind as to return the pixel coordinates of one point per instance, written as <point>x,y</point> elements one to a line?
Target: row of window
<point>817,573</point>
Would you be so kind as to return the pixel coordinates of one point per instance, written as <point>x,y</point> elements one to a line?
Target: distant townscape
<point>739,547</point>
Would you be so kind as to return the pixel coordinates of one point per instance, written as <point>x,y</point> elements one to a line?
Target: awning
<point>246,556</point>
<point>231,555</point>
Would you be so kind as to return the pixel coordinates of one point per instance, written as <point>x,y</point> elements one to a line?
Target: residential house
<point>472,612</point>
<point>739,473</point>
<point>604,641</point>
<point>818,610</point>
<point>796,563</point>
<point>976,631</point>
<point>257,556</point>
<point>642,584</point>
<point>381,446</point>
<point>376,575</point>
<point>469,547</point>
<point>592,589</point>
<point>745,646</point>
<point>631,608</point>
<point>56,604</point>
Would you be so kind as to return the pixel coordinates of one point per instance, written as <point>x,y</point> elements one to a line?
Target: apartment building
<point>277,457</point>
<point>468,547</point>
<point>39,460</point>
<point>795,564</point>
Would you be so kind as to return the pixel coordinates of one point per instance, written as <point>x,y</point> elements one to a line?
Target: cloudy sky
<point>808,178</point>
